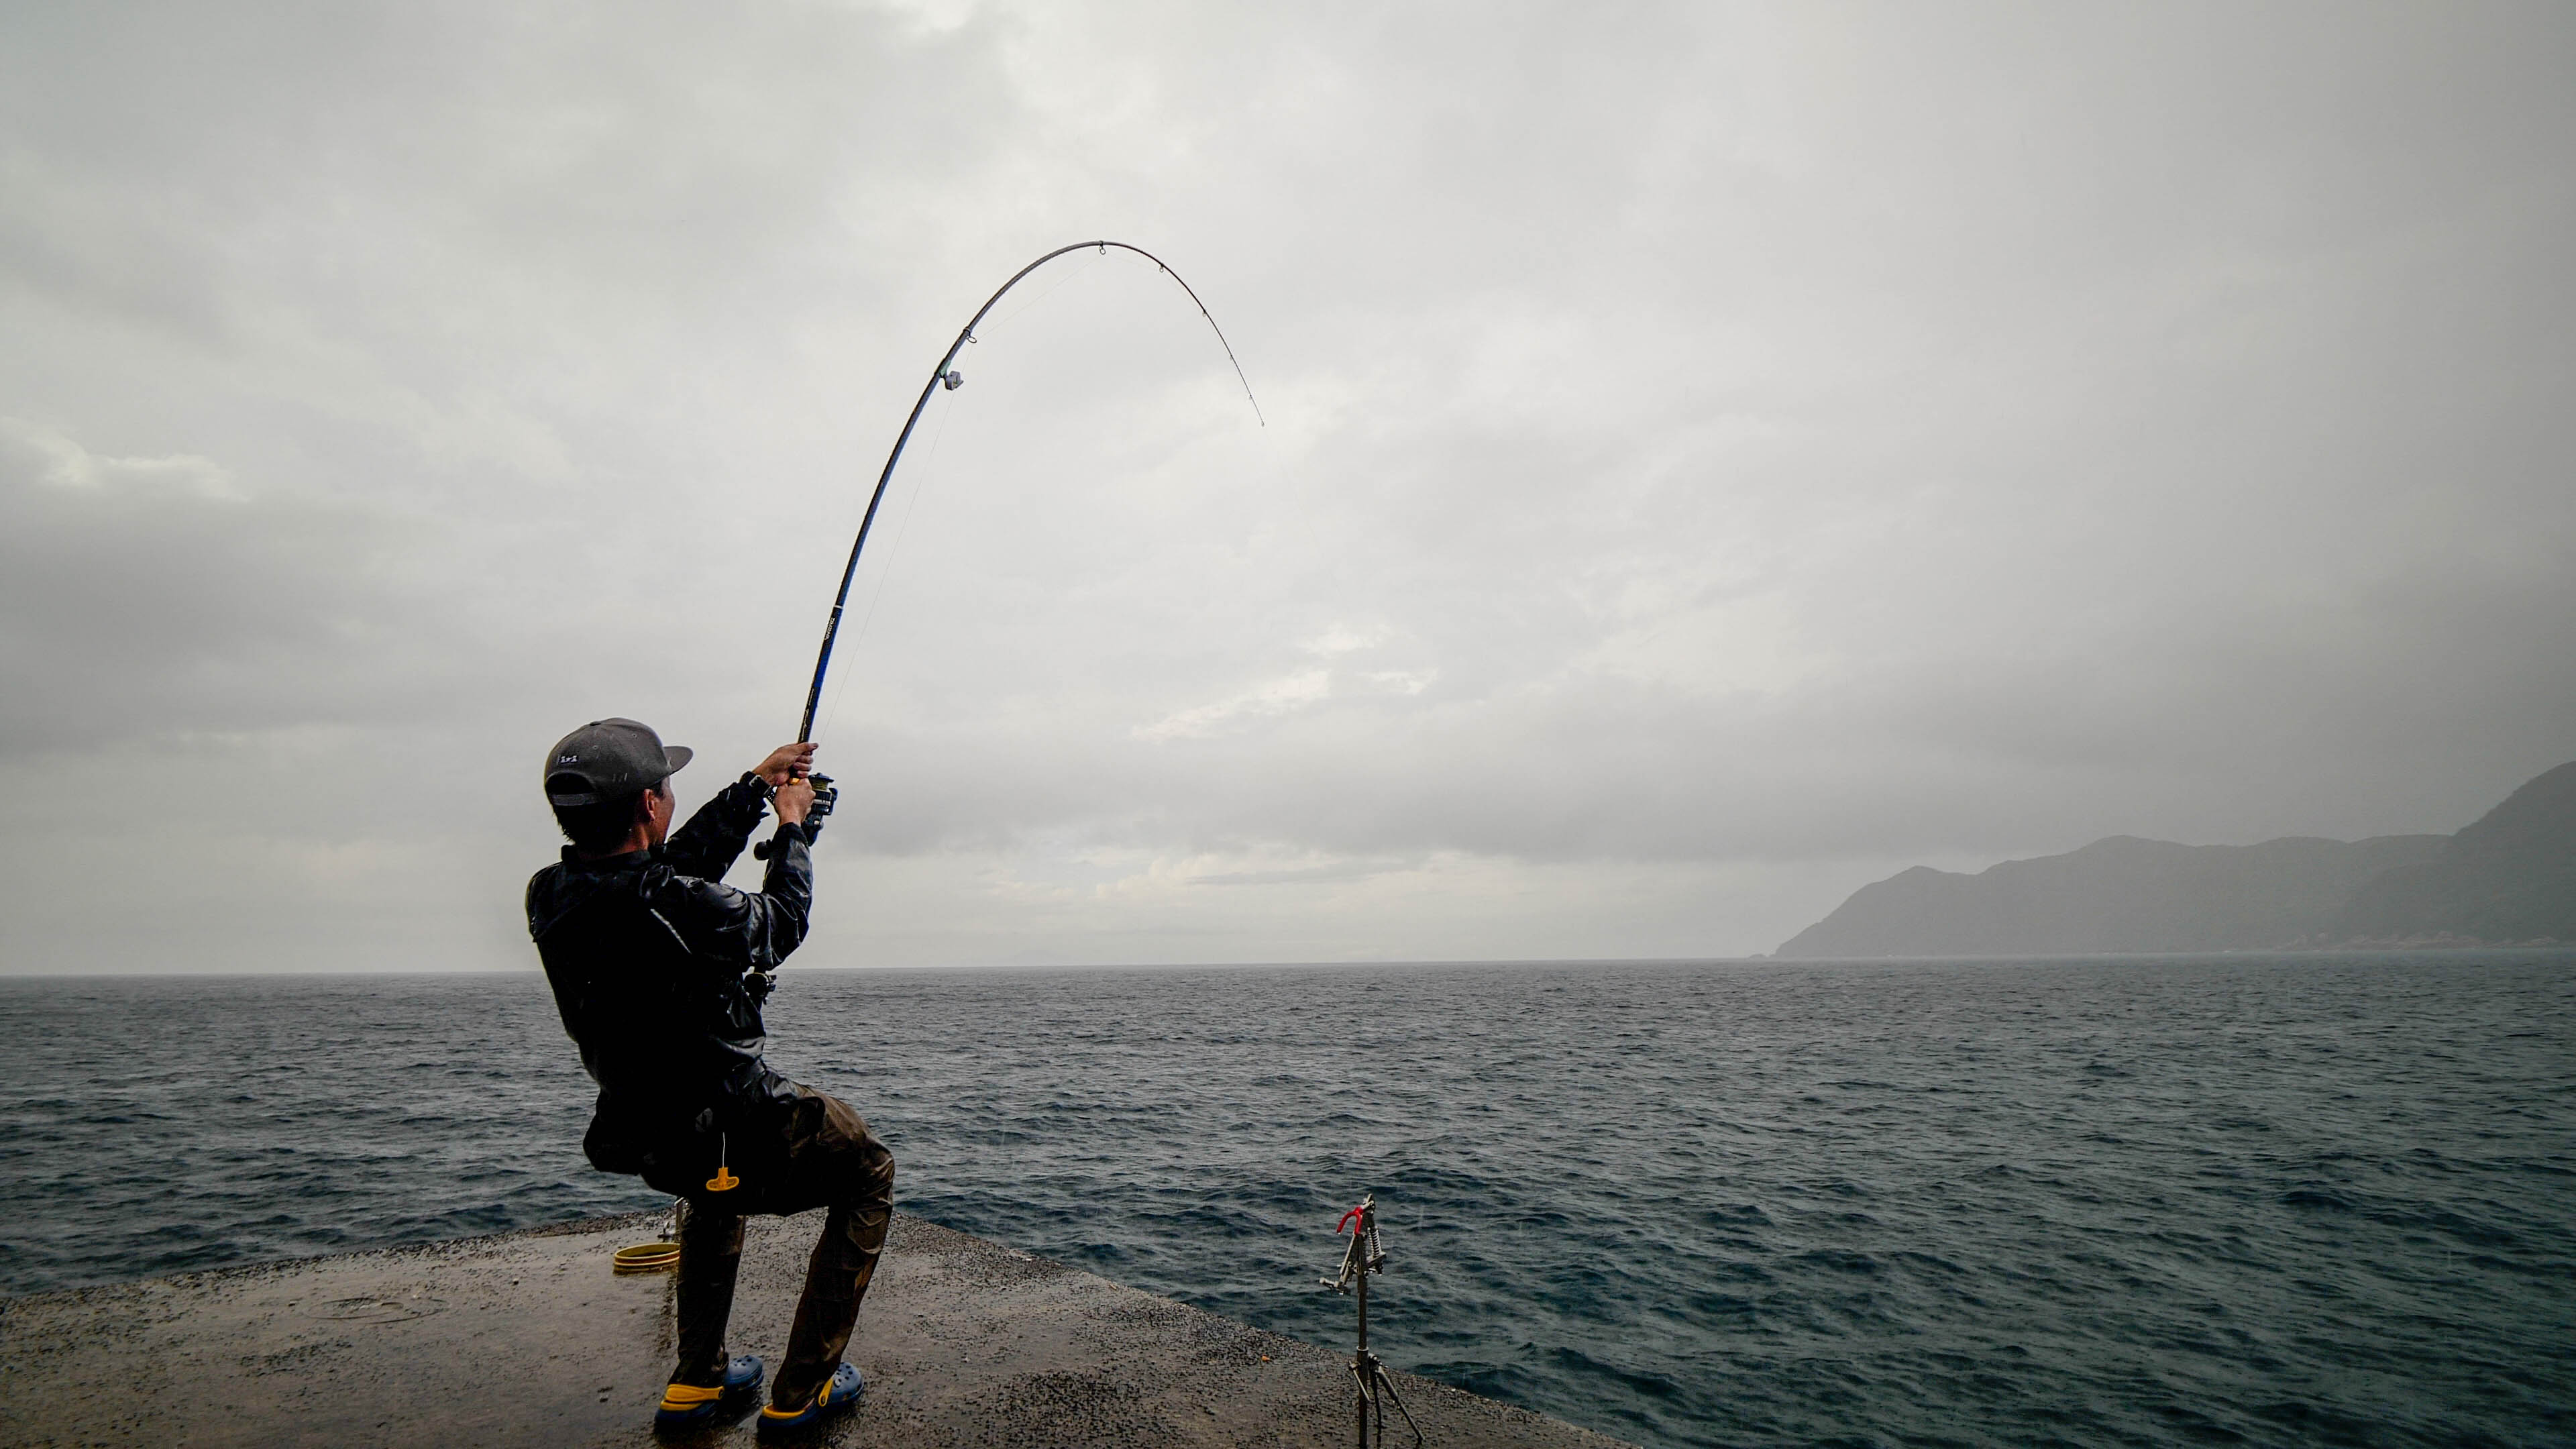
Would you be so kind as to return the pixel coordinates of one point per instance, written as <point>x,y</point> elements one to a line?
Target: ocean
<point>2247,1200</point>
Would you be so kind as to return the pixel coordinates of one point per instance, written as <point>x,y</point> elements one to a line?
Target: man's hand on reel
<point>796,792</point>
<point>794,800</point>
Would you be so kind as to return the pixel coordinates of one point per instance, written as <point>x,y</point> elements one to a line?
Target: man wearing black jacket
<point>659,969</point>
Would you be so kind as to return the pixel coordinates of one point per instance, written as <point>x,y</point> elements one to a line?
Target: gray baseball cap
<point>609,759</point>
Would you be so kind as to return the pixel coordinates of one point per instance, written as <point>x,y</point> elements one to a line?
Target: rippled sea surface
<point>2299,1200</point>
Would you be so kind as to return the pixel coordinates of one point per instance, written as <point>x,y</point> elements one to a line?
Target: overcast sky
<point>1716,456</point>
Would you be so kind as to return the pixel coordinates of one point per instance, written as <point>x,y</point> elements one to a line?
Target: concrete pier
<point>530,1339</point>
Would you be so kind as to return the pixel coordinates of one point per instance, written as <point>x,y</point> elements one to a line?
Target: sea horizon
<point>2445,949</point>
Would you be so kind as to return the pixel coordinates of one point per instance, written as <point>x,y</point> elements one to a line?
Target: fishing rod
<point>945,377</point>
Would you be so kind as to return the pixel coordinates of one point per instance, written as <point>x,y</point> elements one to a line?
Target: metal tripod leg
<point>1376,1387</point>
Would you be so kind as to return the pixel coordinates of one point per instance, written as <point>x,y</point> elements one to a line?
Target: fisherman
<point>659,969</point>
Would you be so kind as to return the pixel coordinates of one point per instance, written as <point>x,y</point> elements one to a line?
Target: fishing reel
<point>826,795</point>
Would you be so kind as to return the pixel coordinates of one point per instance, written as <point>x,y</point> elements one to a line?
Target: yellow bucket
<point>647,1257</point>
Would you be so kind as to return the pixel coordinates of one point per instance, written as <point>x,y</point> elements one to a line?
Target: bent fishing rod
<point>944,376</point>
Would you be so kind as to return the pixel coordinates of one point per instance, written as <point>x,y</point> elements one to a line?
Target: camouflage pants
<point>831,1160</point>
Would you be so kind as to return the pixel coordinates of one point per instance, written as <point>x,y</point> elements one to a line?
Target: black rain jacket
<point>650,955</point>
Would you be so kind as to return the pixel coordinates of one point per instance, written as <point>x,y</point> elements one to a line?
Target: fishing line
<point>943,376</point>
<point>1052,288</point>
<point>893,549</point>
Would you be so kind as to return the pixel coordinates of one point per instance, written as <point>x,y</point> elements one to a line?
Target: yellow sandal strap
<point>687,1396</point>
<point>822,1396</point>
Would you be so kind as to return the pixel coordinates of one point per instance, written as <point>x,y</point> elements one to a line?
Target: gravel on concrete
<point>530,1339</point>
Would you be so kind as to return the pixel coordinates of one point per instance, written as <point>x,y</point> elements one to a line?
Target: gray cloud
<point>145,596</point>
<point>1713,459</point>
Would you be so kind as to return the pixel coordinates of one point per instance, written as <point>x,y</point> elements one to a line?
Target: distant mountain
<point>2509,877</point>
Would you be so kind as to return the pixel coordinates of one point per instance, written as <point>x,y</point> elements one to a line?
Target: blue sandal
<point>685,1406</point>
<point>836,1397</point>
